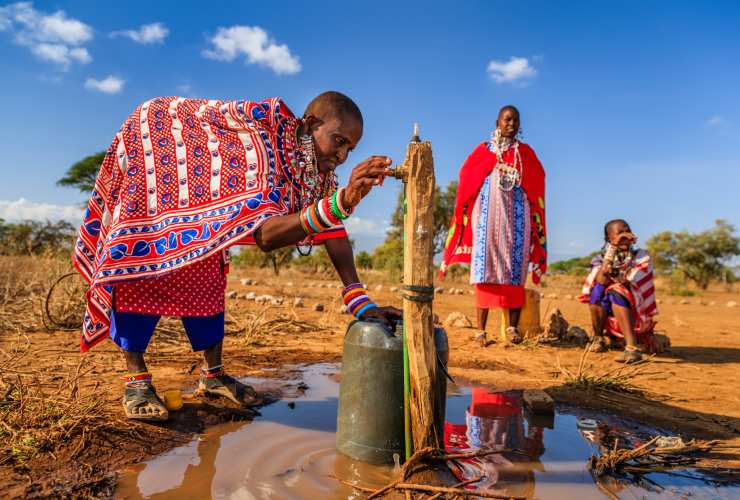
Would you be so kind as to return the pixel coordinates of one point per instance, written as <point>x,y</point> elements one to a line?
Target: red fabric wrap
<point>473,173</point>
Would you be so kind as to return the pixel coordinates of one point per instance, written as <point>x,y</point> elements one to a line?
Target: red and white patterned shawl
<point>183,179</point>
<point>639,290</point>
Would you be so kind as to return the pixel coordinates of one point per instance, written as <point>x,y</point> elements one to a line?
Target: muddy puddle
<point>289,452</point>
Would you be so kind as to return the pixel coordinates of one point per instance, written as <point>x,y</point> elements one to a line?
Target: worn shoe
<point>629,356</point>
<point>142,403</point>
<point>481,339</point>
<point>513,335</point>
<point>230,388</point>
<point>598,344</point>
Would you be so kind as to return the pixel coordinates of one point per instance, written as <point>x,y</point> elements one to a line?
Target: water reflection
<point>495,421</point>
<point>289,452</point>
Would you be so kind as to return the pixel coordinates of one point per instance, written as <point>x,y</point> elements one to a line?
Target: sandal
<point>481,339</point>
<point>142,403</point>
<point>629,356</point>
<point>513,335</point>
<point>598,344</point>
<point>230,388</point>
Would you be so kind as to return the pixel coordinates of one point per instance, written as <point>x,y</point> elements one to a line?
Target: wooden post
<point>418,171</point>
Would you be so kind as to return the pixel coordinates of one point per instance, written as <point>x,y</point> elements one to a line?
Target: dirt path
<point>695,389</point>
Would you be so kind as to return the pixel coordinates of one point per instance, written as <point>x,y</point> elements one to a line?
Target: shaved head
<point>333,104</point>
<point>508,107</point>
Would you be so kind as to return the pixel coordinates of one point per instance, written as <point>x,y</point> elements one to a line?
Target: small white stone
<point>731,303</point>
<point>298,302</point>
<point>568,297</point>
<point>231,295</point>
<point>289,284</point>
<point>552,296</point>
<point>378,288</point>
<point>250,296</point>
<point>394,289</point>
<point>276,301</point>
<point>439,290</point>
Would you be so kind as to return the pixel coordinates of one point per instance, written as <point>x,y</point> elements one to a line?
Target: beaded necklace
<point>313,184</point>
<point>510,176</point>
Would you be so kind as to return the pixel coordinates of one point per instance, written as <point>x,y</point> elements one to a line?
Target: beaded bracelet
<point>321,215</point>
<point>356,299</point>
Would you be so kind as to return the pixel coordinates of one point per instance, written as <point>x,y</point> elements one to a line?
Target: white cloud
<point>23,209</point>
<point>366,227</point>
<point>256,46</point>
<point>108,85</point>
<point>146,34</point>
<point>51,37</point>
<point>516,69</point>
<point>716,121</point>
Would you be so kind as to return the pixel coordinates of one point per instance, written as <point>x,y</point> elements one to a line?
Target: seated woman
<point>620,293</point>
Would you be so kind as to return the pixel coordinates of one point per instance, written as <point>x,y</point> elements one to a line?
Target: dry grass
<point>42,412</point>
<point>650,457</point>
<point>24,286</point>
<point>614,380</point>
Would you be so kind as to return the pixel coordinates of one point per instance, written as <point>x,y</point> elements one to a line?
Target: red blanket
<point>182,180</point>
<point>473,173</point>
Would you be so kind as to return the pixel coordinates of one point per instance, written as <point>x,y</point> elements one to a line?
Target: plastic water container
<point>370,418</point>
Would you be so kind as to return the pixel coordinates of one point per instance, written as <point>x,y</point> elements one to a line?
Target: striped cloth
<point>183,180</point>
<point>639,290</point>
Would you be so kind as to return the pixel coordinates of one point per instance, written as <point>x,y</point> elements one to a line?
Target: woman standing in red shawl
<point>499,222</point>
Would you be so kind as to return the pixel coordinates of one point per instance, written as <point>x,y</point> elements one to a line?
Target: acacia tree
<point>82,174</point>
<point>700,257</point>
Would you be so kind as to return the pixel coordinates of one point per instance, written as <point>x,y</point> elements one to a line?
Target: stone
<point>394,289</point>
<point>289,284</point>
<point>658,301</point>
<point>378,288</point>
<point>702,302</point>
<point>557,326</point>
<point>298,302</point>
<point>568,297</point>
<point>662,342</point>
<point>542,295</point>
<point>439,290</point>
<point>231,295</point>
<point>250,296</point>
<point>343,309</point>
<point>576,335</point>
<point>318,307</point>
<point>552,296</point>
<point>245,281</point>
<point>458,320</point>
<point>684,302</point>
<point>712,303</point>
<point>538,402</point>
<point>277,301</point>
<point>262,299</point>
<point>731,303</point>
<point>679,322</point>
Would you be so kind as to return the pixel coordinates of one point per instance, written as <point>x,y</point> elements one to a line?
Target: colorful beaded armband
<point>322,215</point>
<point>356,299</point>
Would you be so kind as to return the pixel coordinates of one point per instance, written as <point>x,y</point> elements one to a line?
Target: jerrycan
<point>370,418</point>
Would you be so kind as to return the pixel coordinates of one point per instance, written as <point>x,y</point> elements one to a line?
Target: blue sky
<point>632,107</point>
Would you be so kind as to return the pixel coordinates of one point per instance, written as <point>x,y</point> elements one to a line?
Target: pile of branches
<point>419,461</point>
<point>43,412</point>
<point>657,455</point>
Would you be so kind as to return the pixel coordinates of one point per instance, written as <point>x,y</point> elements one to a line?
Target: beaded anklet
<point>356,299</point>
<point>213,372</point>
<point>136,380</point>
